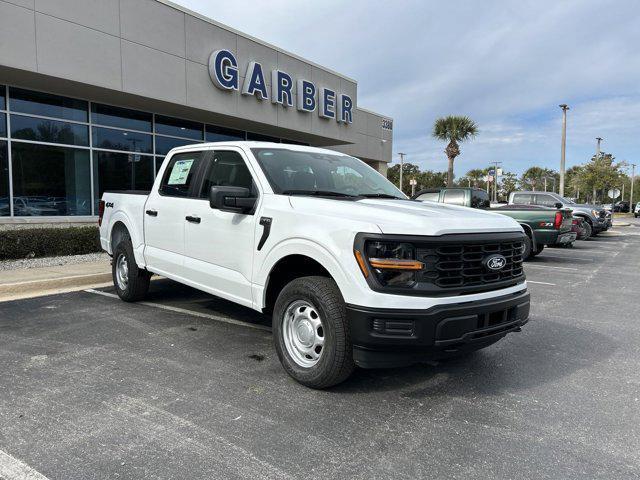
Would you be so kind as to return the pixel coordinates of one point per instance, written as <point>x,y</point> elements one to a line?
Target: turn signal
<point>396,264</point>
<point>361,263</point>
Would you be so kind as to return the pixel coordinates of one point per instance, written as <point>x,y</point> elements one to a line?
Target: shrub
<point>48,242</point>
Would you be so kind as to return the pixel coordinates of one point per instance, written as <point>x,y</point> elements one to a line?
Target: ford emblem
<point>495,262</point>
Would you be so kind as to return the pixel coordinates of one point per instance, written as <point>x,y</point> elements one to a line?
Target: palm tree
<point>476,175</point>
<point>454,129</point>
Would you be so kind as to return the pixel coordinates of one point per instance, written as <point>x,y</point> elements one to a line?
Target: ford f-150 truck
<point>352,272</point>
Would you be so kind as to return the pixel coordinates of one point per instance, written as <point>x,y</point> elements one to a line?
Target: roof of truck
<point>248,144</point>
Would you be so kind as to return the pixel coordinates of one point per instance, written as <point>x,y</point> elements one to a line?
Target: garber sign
<point>223,69</point>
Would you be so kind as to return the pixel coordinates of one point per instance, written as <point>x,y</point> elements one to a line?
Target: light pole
<point>401,168</point>
<point>495,181</point>
<point>564,108</point>
<point>599,139</point>
<point>633,174</point>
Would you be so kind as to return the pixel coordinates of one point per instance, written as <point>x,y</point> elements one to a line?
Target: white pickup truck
<point>351,270</point>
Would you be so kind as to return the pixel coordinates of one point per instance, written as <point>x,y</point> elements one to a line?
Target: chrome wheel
<point>122,272</point>
<point>303,333</point>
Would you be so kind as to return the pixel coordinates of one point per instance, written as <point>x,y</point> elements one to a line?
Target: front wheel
<point>587,230</point>
<point>538,251</point>
<point>311,333</point>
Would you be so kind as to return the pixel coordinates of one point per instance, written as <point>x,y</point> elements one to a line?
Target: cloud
<point>506,64</point>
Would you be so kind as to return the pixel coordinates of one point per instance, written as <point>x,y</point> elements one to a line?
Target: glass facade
<point>58,154</point>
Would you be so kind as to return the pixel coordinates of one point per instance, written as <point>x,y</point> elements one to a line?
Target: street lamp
<point>402,155</point>
<point>564,108</point>
<point>599,139</point>
<point>633,174</point>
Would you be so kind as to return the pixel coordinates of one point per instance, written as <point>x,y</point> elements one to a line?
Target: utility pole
<point>633,174</point>
<point>495,180</point>
<point>402,155</point>
<point>599,139</point>
<point>563,150</point>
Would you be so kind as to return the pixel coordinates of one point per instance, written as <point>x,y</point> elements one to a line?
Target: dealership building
<point>94,93</point>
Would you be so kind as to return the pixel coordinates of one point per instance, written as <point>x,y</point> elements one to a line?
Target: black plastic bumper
<point>392,338</point>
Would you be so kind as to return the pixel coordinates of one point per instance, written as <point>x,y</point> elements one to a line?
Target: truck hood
<point>406,217</point>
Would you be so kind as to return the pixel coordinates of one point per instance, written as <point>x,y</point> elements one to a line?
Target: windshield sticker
<point>180,172</point>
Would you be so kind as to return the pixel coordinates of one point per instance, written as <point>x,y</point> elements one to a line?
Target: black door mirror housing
<point>558,205</point>
<point>232,199</point>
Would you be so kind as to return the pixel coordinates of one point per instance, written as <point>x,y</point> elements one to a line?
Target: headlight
<point>595,213</point>
<point>393,263</point>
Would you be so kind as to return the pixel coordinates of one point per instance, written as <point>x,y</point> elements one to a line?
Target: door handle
<point>152,213</point>
<point>192,219</point>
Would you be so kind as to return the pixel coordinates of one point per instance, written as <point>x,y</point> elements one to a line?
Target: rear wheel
<point>311,333</point>
<point>131,282</point>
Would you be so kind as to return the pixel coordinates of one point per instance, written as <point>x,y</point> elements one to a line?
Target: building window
<point>122,171</point>
<point>3,105</point>
<point>5,209</point>
<point>50,180</point>
<point>50,131</point>
<point>164,144</point>
<point>121,118</point>
<point>111,139</point>
<point>3,125</point>
<point>258,137</point>
<point>220,134</point>
<point>179,128</point>
<point>47,105</point>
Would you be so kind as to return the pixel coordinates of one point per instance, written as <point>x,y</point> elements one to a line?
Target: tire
<point>528,247</point>
<point>538,251</point>
<point>136,284</point>
<point>587,231</point>
<point>293,322</point>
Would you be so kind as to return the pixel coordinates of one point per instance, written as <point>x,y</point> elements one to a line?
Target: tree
<point>476,175</point>
<point>509,184</point>
<point>410,171</point>
<point>453,129</point>
<point>600,174</point>
<point>531,177</point>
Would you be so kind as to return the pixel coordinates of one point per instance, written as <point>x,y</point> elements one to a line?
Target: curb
<point>33,288</point>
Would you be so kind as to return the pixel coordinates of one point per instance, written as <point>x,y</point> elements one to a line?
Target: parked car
<point>594,215</point>
<point>636,211</point>
<point>581,228</point>
<point>351,271</point>
<point>621,207</point>
<point>544,226</point>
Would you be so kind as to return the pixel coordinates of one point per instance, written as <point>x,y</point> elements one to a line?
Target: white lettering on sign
<point>223,70</point>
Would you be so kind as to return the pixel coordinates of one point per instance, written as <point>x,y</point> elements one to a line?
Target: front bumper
<point>391,338</point>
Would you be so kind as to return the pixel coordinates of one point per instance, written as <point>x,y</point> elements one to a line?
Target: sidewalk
<point>32,282</point>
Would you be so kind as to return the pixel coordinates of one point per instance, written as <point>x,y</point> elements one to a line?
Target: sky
<point>506,64</point>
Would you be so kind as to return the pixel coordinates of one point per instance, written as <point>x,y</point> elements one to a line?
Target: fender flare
<point>136,240</point>
<point>308,248</point>
<point>528,230</point>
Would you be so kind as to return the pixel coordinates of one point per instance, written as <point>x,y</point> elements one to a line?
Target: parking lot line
<point>13,469</point>
<point>541,283</point>
<point>568,257</point>
<point>185,311</point>
<point>545,266</point>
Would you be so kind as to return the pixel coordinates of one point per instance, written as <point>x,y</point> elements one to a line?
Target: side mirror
<point>231,199</point>
<point>558,205</point>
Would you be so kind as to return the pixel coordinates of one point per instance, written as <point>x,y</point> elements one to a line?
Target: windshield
<point>293,172</point>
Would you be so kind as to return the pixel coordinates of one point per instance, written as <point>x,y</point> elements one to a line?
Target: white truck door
<point>219,246</point>
<point>164,215</point>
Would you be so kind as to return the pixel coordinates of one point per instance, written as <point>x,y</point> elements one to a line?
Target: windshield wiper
<point>380,195</point>
<point>318,193</point>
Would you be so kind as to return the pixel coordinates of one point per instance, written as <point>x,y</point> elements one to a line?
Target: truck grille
<point>456,266</point>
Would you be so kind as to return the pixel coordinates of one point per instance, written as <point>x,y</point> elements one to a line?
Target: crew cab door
<point>220,245</point>
<point>164,215</point>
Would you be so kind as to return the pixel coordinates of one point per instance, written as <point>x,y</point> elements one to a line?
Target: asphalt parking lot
<point>189,386</point>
